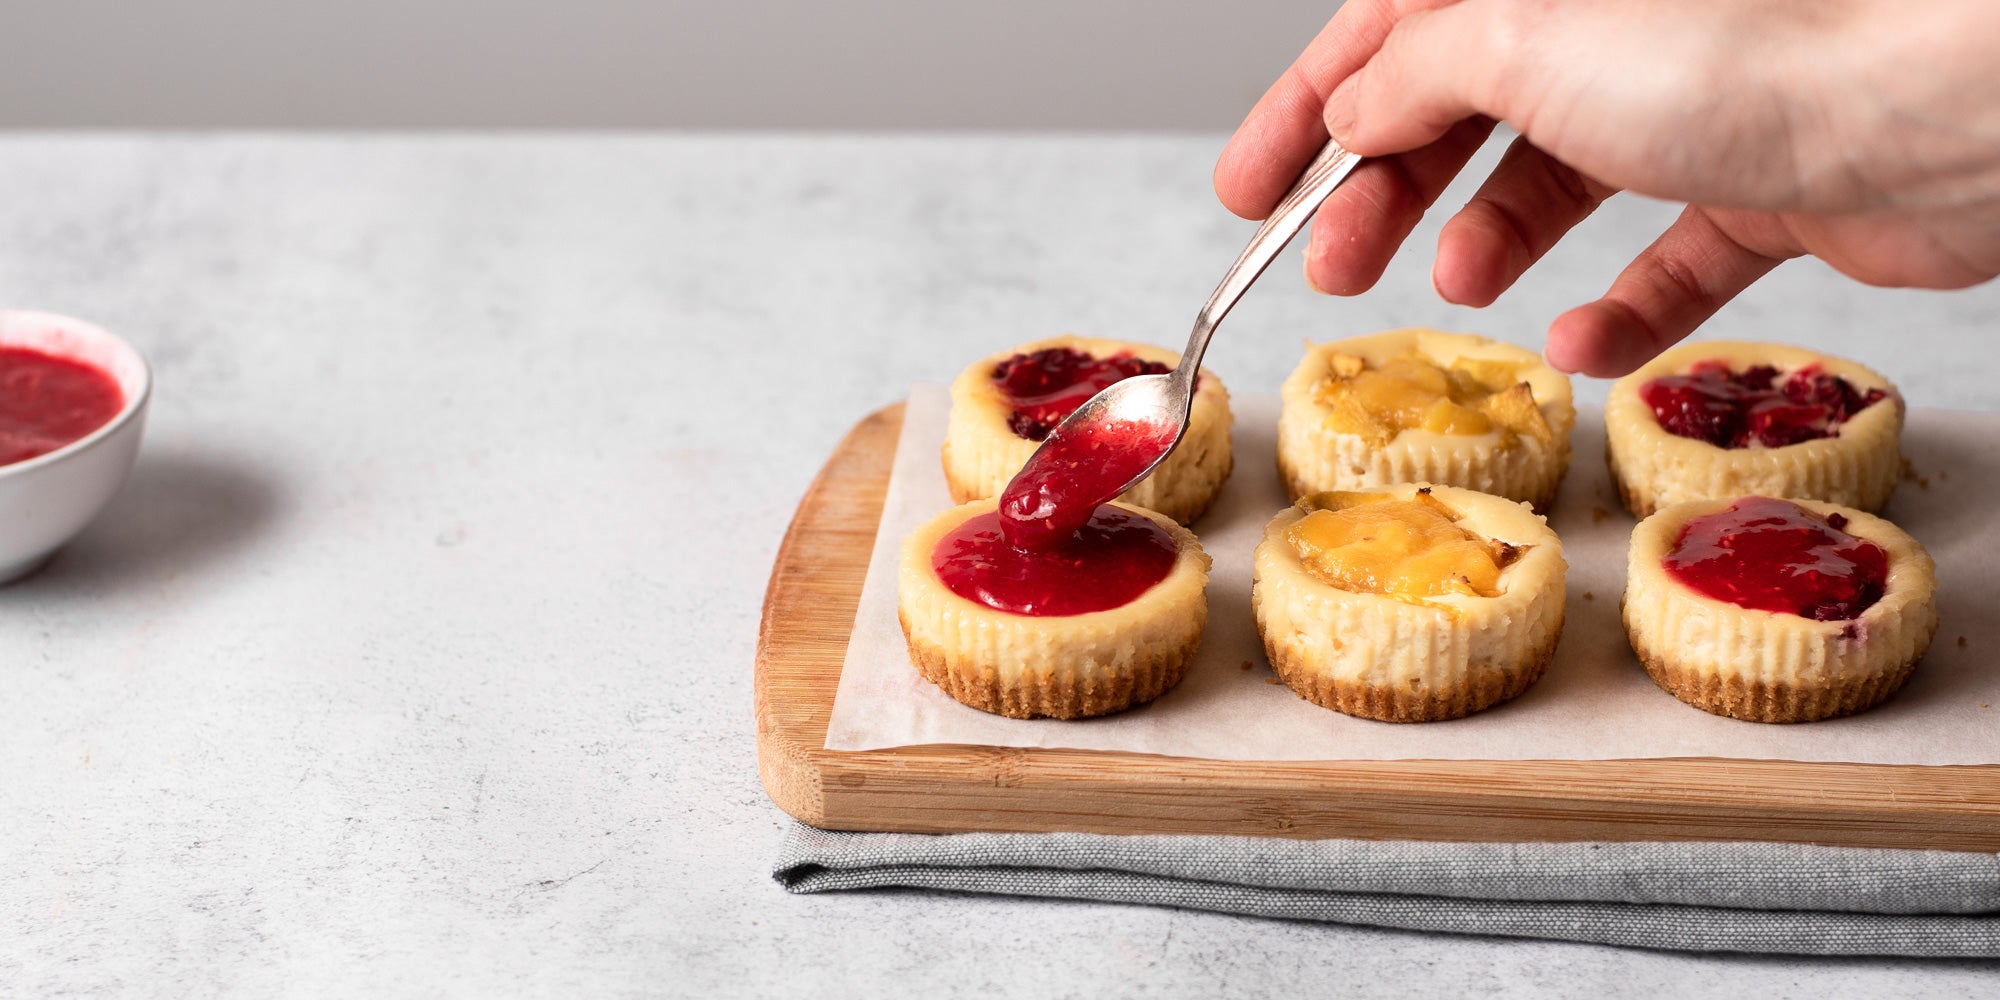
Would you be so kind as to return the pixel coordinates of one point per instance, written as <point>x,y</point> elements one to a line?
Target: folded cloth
<point>1692,896</point>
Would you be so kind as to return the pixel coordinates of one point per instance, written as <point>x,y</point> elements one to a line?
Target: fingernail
<point>1308,259</point>
<point>1339,111</point>
<point>1560,356</point>
<point>1562,349</point>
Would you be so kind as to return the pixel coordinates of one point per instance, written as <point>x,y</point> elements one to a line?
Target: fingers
<point>1530,202</point>
<point>1435,68</point>
<point>1364,221</point>
<point>1285,129</point>
<point>1272,146</point>
<point>1668,290</point>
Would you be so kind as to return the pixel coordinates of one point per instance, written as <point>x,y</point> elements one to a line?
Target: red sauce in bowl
<point>1773,555</point>
<point>47,402</point>
<point>1106,563</point>
<point>1731,409</point>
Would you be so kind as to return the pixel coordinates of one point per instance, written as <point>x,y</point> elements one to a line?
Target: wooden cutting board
<point>809,609</point>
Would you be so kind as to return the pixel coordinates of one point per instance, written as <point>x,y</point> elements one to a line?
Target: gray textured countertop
<point>415,657</point>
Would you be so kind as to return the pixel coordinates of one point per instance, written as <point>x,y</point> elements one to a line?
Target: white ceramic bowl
<point>49,498</point>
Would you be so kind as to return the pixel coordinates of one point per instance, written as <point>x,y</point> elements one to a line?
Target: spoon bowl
<point>1117,437</point>
<point>1150,400</point>
<point>1100,450</point>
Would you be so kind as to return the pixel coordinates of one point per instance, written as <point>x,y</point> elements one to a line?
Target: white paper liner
<point>1595,702</point>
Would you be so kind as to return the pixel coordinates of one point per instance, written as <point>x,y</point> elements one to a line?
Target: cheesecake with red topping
<point>1103,619</point>
<point>1776,610</point>
<point>1004,406</point>
<point>1726,419</point>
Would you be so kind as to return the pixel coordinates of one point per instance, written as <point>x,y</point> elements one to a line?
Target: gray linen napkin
<point>1702,896</point>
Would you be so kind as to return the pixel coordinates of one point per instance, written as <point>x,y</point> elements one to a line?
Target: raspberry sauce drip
<point>1738,409</point>
<point>1108,562</point>
<point>1071,475</point>
<point>1047,385</point>
<point>47,402</point>
<point>1773,555</point>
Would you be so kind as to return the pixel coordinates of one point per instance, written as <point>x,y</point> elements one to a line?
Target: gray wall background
<point>861,64</point>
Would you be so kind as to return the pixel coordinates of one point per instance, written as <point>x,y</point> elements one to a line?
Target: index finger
<point>1286,127</point>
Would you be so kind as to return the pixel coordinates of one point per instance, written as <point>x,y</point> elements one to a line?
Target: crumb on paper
<point>1588,596</point>
<point>1272,680</point>
<point>1910,475</point>
<point>1943,474</point>
<point>1247,667</point>
<point>1598,513</point>
<point>1961,642</point>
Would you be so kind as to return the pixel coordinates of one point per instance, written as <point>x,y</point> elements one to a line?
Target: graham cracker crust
<point>1705,688</point>
<point>1055,693</point>
<point>1389,704</point>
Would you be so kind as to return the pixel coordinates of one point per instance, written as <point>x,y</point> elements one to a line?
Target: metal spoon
<point>1116,438</point>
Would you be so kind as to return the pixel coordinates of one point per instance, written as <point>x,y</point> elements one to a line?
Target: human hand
<point>1866,133</point>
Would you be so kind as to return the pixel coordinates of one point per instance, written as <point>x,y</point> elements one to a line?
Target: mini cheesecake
<point>1726,419</point>
<point>1775,610</point>
<point>1105,621</point>
<point>1415,405</point>
<point>1408,603</point>
<point>1004,406</point>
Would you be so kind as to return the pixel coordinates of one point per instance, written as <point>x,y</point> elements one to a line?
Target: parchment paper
<point>1594,703</point>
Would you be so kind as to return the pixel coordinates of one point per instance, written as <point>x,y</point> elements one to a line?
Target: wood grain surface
<point>809,608</point>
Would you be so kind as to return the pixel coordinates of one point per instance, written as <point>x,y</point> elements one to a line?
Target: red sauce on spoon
<point>1773,555</point>
<point>1730,409</point>
<point>1108,562</point>
<point>1071,475</point>
<point>47,402</point>
<point>1054,546</point>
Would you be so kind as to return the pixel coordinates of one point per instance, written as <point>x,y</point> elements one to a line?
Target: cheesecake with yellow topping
<point>1422,405</point>
<point>1408,603</point>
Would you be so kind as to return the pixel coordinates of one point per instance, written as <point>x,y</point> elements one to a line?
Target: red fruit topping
<point>1738,409</point>
<point>1067,479</point>
<point>1773,555</point>
<point>1049,384</point>
<point>1107,563</point>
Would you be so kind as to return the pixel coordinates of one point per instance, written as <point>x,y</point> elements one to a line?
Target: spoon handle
<point>1327,170</point>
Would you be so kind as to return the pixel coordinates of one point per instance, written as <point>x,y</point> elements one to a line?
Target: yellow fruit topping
<point>1447,417</point>
<point>1493,374</point>
<point>1372,543</point>
<point>1514,409</point>
<point>1412,392</point>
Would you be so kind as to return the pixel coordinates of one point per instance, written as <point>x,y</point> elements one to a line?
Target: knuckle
<point>1682,281</point>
